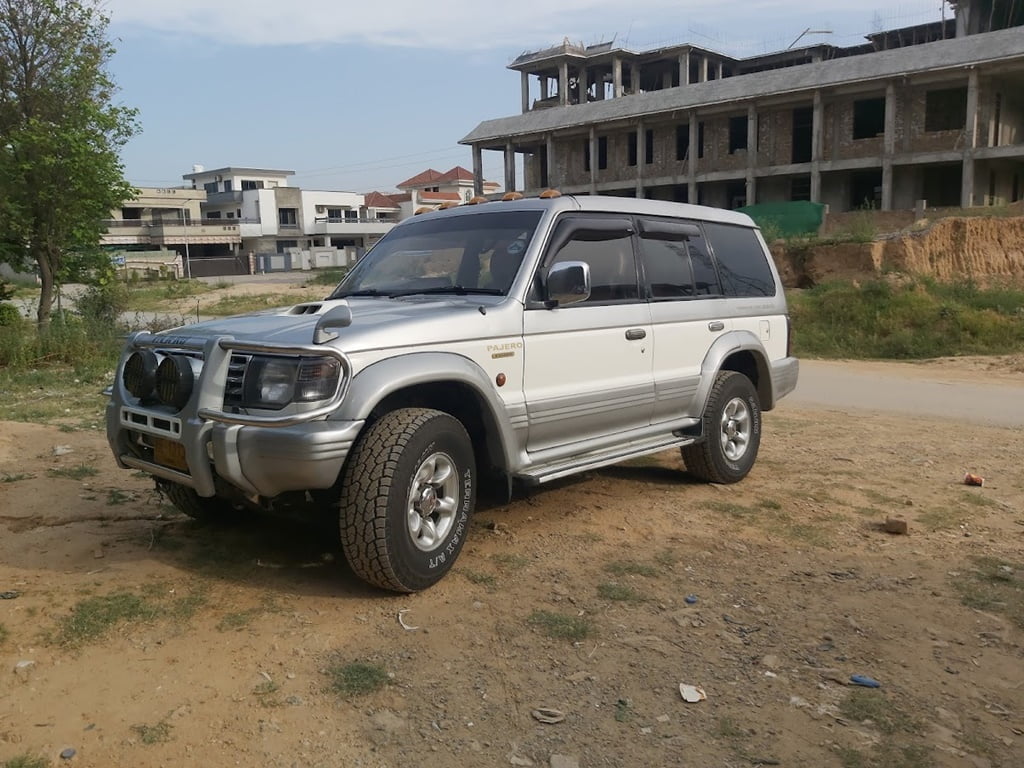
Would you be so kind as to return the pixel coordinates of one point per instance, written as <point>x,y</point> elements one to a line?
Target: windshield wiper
<point>458,290</point>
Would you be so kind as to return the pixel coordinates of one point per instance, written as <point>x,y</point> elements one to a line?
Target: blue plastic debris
<point>691,599</point>
<point>867,682</point>
<point>67,754</point>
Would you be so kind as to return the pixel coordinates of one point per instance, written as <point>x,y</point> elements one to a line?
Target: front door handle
<point>716,325</point>
<point>635,334</point>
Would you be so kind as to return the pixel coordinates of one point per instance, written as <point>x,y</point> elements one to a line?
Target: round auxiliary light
<point>422,209</point>
<point>446,206</point>
<point>549,193</point>
<point>174,380</point>
<point>478,200</point>
<point>512,196</point>
<point>139,375</point>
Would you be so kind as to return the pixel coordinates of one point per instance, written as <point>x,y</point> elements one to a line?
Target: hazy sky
<point>362,96</point>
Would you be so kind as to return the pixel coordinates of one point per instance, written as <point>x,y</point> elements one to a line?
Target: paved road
<point>907,389</point>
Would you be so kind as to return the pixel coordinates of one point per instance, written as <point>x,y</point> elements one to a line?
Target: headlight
<point>274,382</point>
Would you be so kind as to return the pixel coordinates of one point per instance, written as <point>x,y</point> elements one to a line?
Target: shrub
<point>10,316</point>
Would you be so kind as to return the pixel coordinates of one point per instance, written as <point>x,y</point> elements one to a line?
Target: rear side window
<point>742,262</point>
<point>676,260</point>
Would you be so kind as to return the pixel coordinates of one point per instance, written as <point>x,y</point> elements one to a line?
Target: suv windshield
<point>479,253</point>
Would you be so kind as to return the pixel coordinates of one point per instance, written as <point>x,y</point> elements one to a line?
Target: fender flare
<point>377,381</point>
<point>728,344</point>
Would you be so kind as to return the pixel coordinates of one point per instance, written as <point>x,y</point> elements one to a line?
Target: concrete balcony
<point>136,232</point>
<point>222,198</point>
<point>351,227</point>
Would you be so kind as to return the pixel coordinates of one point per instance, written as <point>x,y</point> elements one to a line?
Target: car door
<point>588,365</point>
<point>688,311</point>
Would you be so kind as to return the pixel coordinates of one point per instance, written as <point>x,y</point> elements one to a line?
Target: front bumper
<point>263,456</point>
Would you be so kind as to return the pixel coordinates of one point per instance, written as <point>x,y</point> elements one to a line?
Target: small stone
<point>646,730</point>
<point>564,761</point>
<point>62,450</point>
<point>67,754</point>
<point>663,718</point>
<point>895,525</point>
<point>23,669</point>
<point>98,553</point>
<point>517,760</point>
<point>388,722</point>
<point>771,661</point>
<point>578,677</point>
<point>949,719</point>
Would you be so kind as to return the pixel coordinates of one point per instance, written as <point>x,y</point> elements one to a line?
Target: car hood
<point>377,323</point>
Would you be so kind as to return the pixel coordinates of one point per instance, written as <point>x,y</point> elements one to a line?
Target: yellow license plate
<point>169,454</point>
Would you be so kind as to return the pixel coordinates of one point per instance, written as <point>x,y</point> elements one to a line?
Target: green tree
<point>60,136</point>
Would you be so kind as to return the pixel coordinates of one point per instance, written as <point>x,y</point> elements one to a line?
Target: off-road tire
<point>206,509</point>
<point>708,460</point>
<point>375,512</point>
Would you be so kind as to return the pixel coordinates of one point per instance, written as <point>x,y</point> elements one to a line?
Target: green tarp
<point>786,219</point>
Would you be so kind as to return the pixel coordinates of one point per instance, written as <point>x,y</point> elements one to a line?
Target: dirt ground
<point>229,632</point>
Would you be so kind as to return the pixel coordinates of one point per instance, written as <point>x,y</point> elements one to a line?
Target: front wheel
<point>408,490</point>
<point>202,508</point>
<point>732,432</point>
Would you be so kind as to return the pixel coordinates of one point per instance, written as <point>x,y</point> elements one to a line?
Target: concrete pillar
<point>702,77</point>
<point>616,78</point>
<point>684,68</point>
<point>691,171</point>
<point>641,146</point>
<point>478,170</point>
<point>666,80</point>
<point>583,84</point>
<point>889,145</point>
<point>593,160</point>
<point>970,140</point>
<point>543,87</point>
<point>718,71</point>
<point>524,85</point>
<point>552,162</point>
<point>751,154</point>
<point>634,78</point>
<point>817,119</point>
<point>510,167</point>
<point>563,83</point>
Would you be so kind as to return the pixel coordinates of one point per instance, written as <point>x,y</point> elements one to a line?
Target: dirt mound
<point>977,248</point>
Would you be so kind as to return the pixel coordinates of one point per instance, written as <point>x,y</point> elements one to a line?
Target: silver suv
<point>507,341</point>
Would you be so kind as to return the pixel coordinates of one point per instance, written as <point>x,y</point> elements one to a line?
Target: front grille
<point>236,377</point>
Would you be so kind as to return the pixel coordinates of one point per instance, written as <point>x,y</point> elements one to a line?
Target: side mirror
<point>568,283</point>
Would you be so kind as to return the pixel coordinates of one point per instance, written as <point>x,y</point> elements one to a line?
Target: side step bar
<point>546,472</point>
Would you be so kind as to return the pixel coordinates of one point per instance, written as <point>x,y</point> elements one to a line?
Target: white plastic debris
<point>692,693</point>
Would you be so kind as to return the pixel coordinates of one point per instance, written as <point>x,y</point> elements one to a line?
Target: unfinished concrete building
<point>933,112</point>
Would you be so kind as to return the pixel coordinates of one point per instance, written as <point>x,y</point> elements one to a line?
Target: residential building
<point>432,188</point>
<point>933,112</point>
<point>274,217</point>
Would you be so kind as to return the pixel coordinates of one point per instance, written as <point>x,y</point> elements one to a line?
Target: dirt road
<point>137,637</point>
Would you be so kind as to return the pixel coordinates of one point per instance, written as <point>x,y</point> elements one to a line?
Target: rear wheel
<point>408,489</point>
<point>198,507</point>
<point>732,431</point>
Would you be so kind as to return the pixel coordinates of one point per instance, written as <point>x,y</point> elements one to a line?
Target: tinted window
<point>612,265</point>
<point>705,279</point>
<point>667,266</point>
<point>742,263</point>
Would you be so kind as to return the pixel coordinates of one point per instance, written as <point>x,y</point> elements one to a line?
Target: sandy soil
<point>797,589</point>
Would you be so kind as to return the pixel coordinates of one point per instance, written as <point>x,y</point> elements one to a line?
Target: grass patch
<point>666,558</point>
<point>939,518</point>
<point>357,678</point>
<point>621,593</point>
<point>871,704</point>
<point>78,472</point>
<point>771,504</point>
<point>93,617</point>
<point>729,508</point>
<point>150,296</point>
<point>815,536</point>
<point>993,585</point>
<point>16,478</point>
<point>918,319</point>
<point>622,711</point>
<point>977,500</point>
<point>630,568</point>
<point>153,734</point>
<point>561,627</point>
<point>238,620</point>
<point>727,730</point>
<point>4,634</point>
<point>116,497</point>
<point>483,579</point>
<point>512,562</point>
<point>26,761</point>
<point>330,276</point>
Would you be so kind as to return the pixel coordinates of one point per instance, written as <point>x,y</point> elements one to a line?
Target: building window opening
<point>737,134</point>
<point>631,148</point>
<point>288,217</point>
<point>945,110</point>
<point>803,132</point>
<point>602,152</point>
<point>682,141</point>
<point>586,155</point>
<point>649,147</point>
<point>800,187</point>
<point>700,139</point>
<point>868,118</point>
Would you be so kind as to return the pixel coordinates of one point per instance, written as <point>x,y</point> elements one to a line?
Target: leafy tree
<point>60,134</point>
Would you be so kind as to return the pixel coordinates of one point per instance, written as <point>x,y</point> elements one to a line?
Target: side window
<point>613,275</point>
<point>742,262</point>
<point>705,278</point>
<point>667,267</point>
